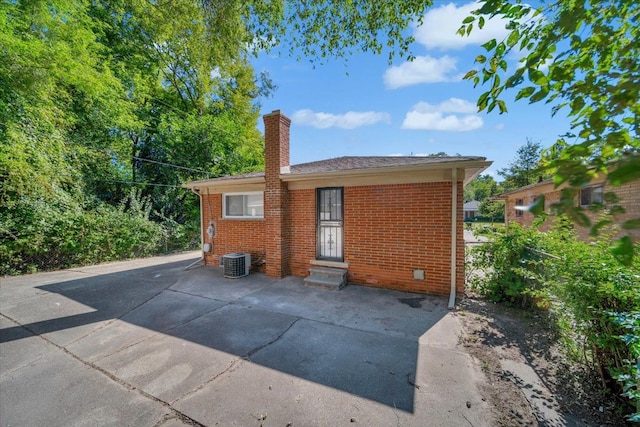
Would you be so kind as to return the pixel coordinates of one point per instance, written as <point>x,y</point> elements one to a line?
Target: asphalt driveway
<point>146,343</point>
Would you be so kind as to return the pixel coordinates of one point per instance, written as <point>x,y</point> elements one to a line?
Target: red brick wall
<point>389,231</point>
<point>628,193</point>
<point>232,235</point>
<point>393,229</point>
<point>527,218</point>
<point>302,230</point>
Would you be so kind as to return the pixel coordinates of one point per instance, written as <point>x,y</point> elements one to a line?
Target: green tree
<point>185,67</point>
<point>525,169</point>
<point>481,188</point>
<point>315,30</point>
<point>581,57</point>
<point>493,209</point>
<point>94,95</point>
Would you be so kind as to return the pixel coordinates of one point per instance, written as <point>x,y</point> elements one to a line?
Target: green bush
<point>599,301</point>
<point>596,299</point>
<point>39,235</point>
<point>511,263</point>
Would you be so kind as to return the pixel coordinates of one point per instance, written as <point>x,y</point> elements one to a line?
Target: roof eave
<point>468,164</point>
<point>506,194</point>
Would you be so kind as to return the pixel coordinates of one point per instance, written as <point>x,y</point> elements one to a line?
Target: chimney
<point>276,161</point>
<point>276,142</point>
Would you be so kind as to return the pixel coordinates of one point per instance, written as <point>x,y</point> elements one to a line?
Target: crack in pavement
<point>251,352</point>
<point>236,363</point>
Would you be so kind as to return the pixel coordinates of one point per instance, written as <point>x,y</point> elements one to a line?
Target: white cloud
<point>451,105</point>
<point>491,172</point>
<point>439,31</point>
<point>423,69</point>
<point>440,24</point>
<point>349,120</point>
<point>500,126</point>
<point>425,116</point>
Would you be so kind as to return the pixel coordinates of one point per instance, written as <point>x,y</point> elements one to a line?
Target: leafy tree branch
<point>582,58</point>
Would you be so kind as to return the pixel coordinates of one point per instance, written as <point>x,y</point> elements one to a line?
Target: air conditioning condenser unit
<point>236,265</point>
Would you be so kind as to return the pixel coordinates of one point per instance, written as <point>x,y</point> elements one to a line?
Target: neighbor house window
<point>591,195</point>
<point>519,202</point>
<point>243,205</point>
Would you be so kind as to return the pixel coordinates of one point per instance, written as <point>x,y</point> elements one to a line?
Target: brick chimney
<point>276,161</point>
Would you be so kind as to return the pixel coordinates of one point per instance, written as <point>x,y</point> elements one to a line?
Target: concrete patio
<point>146,343</point>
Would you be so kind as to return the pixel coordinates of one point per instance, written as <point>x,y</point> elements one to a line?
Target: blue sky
<point>415,108</point>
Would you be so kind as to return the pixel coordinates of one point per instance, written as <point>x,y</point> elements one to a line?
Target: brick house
<point>393,222</point>
<point>629,194</point>
<point>471,209</point>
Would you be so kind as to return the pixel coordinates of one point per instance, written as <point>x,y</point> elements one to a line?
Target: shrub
<point>511,263</point>
<point>596,298</point>
<point>37,235</point>
<point>599,297</point>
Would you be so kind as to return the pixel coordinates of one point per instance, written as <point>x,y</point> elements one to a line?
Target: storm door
<point>329,222</point>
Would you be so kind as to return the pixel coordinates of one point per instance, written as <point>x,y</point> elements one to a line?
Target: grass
<point>480,227</point>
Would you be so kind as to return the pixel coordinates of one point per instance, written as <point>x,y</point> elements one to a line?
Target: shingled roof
<point>369,162</point>
<point>351,163</point>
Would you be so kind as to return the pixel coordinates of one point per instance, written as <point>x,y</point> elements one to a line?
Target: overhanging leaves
<point>591,53</point>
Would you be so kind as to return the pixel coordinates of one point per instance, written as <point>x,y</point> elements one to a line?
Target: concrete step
<point>335,285</point>
<point>328,272</point>
<point>331,278</point>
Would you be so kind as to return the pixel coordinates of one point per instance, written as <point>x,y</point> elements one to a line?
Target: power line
<point>136,183</point>
<point>171,165</point>
<point>142,159</point>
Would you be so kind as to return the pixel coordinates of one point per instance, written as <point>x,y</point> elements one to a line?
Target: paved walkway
<point>470,237</point>
<point>146,343</point>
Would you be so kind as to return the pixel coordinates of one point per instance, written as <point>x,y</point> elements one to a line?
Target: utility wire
<point>137,183</point>
<point>171,165</point>
<point>142,159</point>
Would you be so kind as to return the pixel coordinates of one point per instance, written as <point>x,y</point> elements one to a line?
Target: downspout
<point>454,239</point>
<point>194,191</point>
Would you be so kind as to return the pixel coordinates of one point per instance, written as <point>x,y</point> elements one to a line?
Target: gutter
<point>454,239</point>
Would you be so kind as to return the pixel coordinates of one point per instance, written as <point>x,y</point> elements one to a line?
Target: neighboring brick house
<point>471,209</point>
<point>629,194</point>
<point>390,221</point>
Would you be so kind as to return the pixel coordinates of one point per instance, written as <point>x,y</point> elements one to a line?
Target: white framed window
<point>243,205</point>
<point>591,195</point>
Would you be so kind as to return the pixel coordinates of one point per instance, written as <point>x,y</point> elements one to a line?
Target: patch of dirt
<point>496,335</point>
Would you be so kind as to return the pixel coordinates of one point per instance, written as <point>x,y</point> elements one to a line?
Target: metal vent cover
<point>236,265</point>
